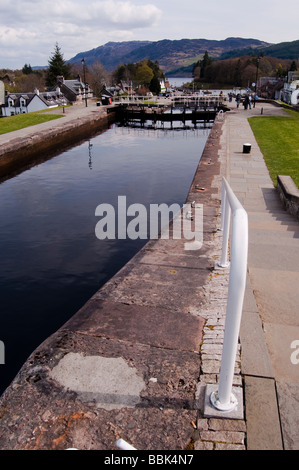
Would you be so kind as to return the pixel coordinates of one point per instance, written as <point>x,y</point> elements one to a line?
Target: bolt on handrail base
<point>234,410</point>
<point>230,406</point>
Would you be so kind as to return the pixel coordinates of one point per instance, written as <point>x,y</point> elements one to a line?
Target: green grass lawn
<point>278,139</point>
<point>13,123</point>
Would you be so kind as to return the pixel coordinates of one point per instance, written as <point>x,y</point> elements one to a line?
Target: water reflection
<point>180,124</point>
<point>90,155</point>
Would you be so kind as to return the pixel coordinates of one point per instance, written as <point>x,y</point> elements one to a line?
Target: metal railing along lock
<point>232,215</point>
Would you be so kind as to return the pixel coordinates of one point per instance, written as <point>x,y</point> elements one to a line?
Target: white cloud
<point>76,25</point>
<point>112,12</point>
<point>126,13</point>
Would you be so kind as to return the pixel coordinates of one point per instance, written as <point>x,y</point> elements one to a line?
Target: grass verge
<point>277,137</point>
<point>20,121</point>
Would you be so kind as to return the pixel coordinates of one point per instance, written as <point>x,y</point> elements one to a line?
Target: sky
<point>29,29</point>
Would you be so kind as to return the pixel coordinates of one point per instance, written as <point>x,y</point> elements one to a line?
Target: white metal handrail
<point>123,445</point>
<point>223,399</point>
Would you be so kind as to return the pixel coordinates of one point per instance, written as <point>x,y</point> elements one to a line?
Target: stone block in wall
<point>289,194</point>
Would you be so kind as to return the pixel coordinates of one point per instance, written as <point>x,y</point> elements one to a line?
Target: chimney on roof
<point>36,91</point>
<point>60,79</point>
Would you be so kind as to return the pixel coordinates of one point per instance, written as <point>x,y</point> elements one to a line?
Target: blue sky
<point>29,29</point>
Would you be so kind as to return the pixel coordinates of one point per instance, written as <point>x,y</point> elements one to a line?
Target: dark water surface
<point>51,260</point>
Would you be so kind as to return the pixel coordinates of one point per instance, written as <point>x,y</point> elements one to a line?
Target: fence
<point>223,399</point>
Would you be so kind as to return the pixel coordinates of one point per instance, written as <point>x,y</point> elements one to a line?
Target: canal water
<point>51,260</point>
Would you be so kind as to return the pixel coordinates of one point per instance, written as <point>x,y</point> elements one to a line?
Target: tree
<point>204,63</point>
<point>124,73</point>
<point>280,72</point>
<point>98,77</point>
<point>293,66</point>
<point>28,83</point>
<point>155,86</point>
<point>155,68</point>
<point>196,70</point>
<point>27,69</point>
<point>57,67</point>
<point>144,75</point>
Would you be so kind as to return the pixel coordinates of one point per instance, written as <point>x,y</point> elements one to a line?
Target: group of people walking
<point>247,101</point>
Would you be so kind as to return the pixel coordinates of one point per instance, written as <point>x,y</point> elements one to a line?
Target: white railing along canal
<point>223,399</point>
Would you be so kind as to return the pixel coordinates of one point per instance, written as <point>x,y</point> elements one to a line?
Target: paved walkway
<point>271,310</point>
<point>68,114</point>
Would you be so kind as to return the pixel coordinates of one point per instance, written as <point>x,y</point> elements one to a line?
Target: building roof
<point>16,97</point>
<point>75,86</point>
<point>50,98</point>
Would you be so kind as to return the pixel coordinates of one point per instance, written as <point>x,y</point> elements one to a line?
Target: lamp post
<point>256,78</point>
<point>84,78</point>
<point>257,71</point>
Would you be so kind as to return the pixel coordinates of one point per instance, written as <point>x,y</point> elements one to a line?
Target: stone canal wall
<point>289,194</point>
<point>32,145</point>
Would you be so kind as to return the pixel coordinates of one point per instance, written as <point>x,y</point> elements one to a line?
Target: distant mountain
<point>171,54</point>
<point>283,50</point>
<point>110,54</point>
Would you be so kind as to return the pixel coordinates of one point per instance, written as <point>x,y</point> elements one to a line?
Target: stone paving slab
<point>255,359</point>
<point>263,423</point>
<point>282,305</point>
<point>135,323</point>
<point>288,400</point>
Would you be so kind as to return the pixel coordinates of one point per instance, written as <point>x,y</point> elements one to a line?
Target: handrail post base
<point>222,265</point>
<point>233,402</point>
<point>234,410</point>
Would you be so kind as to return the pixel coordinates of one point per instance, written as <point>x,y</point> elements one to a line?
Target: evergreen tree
<point>204,63</point>
<point>293,67</point>
<point>27,70</point>
<point>155,86</point>
<point>57,67</point>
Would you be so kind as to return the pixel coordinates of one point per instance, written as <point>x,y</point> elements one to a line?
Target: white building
<point>290,92</point>
<point>2,93</point>
<point>20,103</point>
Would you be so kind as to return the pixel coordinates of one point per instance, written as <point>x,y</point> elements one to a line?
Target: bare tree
<point>28,83</point>
<point>98,77</point>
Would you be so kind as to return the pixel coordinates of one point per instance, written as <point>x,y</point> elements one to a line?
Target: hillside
<point>171,54</point>
<point>283,50</point>
<point>110,54</point>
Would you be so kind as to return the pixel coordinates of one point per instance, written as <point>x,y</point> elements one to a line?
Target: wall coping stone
<point>289,194</point>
